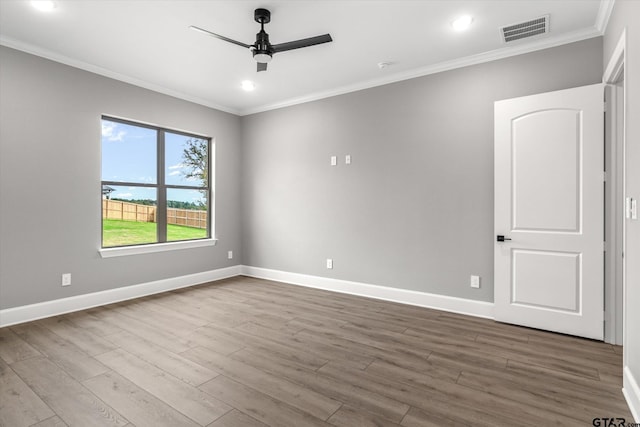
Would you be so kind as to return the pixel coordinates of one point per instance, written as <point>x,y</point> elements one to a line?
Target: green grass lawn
<point>116,232</point>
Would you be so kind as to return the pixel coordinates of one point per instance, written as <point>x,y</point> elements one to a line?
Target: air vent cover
<point>526,29</point>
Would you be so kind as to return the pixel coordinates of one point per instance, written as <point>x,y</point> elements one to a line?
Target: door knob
<point>501,238</point>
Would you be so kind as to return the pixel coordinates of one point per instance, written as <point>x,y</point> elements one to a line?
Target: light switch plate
<point>631,208</point>
<point>475,281</point>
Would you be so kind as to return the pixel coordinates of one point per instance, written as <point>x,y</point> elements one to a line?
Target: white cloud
<point>110,131</point>
<point>123,195</point>
<point>174,173</point>
<point>178,166</point>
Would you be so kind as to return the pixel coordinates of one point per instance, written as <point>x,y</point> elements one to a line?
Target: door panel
<point>549,202</point>
<point>546,155</point>
<point>546,279</point>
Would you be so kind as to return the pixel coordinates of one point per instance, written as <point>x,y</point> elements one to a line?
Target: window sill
<point>156,247</point>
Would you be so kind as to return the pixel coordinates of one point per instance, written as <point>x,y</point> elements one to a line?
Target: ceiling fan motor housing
<point>262,50</point>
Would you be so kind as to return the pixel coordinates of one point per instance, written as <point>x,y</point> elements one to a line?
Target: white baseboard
<point>631,391</point>
<point>404,296</point>
<point>26,313</point>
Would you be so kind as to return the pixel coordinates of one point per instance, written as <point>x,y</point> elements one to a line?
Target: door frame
<point>615,141</point>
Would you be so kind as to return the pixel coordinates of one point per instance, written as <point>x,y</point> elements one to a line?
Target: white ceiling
<point>148,43</point>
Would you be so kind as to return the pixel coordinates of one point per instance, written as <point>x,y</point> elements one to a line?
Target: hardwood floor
<point>249,352</point>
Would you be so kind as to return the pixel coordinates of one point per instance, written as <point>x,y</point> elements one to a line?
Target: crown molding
<point>604,13</point>
<point>541,43</point>
<point>502,53</point>
<point>56,57</point>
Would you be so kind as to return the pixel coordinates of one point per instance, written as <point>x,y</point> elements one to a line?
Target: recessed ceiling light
<point>248,85</point>
<point>44,5</point>
<point>462,23</point>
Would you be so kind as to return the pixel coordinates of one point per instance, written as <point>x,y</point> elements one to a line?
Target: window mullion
<point>161,213</point>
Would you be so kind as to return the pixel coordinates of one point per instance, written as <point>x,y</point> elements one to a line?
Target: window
<point>155,185</point>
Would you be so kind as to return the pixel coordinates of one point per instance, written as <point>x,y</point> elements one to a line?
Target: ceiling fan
<point>262,49</point>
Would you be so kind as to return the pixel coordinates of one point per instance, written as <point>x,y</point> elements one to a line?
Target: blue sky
<point>129,155</point>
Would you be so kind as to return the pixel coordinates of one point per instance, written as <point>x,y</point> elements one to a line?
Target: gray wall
<point>415,208</point>
<point>50,180</point>
<point>626,13</point>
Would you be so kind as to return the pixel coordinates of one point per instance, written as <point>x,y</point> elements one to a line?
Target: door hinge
<point>604,176</point>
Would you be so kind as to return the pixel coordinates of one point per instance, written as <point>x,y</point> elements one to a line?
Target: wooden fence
<point>115,209</point>
<point>187,217</point>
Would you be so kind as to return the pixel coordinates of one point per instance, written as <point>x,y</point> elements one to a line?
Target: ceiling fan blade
<point>218,36</point>
<point>262,66</point>
<point>311,41</point>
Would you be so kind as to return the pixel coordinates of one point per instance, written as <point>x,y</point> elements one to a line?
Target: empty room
<point>319,213</point>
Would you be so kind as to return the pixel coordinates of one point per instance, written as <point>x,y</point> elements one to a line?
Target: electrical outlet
<point>347,159</point>
<point>475,281</point>
<point>230,254</point>
<point>66,279</point>
<point>329,263</point>
<point>334,160</point>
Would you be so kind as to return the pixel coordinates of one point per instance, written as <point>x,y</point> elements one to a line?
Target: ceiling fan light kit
<point>262,49</point>
<point>262,57</point>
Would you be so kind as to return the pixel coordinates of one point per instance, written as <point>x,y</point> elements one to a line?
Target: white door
<point>549,161</point>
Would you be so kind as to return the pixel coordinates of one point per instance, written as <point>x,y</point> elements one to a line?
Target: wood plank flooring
<point>255,353</point>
